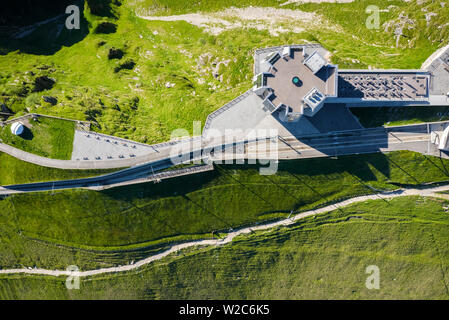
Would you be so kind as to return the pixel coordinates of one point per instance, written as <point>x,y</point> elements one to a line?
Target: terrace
<point>292,93</point>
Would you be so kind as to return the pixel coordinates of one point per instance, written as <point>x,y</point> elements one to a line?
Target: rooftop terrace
<point>292,94</point>
<point>383,85</point>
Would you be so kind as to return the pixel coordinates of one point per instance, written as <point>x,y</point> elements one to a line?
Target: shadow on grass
<point>43,37</point>
<point>103,8</point>
<point>371,117</point>
<point>357,165</point>
<point>27,134</point>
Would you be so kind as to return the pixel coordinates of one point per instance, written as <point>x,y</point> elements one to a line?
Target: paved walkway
<point>428,192</point>
<point>89,145</point>
<point>155,152</point>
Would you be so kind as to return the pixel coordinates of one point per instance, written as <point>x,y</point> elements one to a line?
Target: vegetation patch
<point>15,171</point>
<point>47,137</point>
<point>321,257</point>
<point>206,204</point>
<point>115,53</point>
<point>127,65</point>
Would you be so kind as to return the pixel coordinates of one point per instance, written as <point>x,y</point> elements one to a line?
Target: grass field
<point>14,171</point>
<point>134,97</point>
<point>146,216</point>
<point>321,257</point>
<point>136,103</point>
<point>51,138</point>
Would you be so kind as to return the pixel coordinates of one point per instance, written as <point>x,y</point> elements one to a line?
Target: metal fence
<point>37,115</point>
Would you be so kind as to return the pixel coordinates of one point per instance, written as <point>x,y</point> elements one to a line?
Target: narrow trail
<point>426,192</point>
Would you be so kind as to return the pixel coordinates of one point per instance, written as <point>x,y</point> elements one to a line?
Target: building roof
<point>313,100</point>
<point>383,85</point>
<point>17,128</point>
<point>292,95</point>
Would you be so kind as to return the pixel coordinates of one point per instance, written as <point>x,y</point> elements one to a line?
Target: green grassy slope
<point>148,215</point>
<point>14,171</point>
<point>321,257</point>
<point>135,103</point>
<point>100,229</point>
<point>51,138</point>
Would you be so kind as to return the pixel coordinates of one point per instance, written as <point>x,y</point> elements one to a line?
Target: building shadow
<point>334,117</point>
<point>325,73</point>
<point>347,89</point>
<point>334,132</point>
<point>361,166</point>
<point>27,134</point>
<point>42,37</point>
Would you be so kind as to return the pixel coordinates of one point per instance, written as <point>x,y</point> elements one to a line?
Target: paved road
<point>133,173</point>
<point>357,141</point>
<point>156,154</point>
<point>432,192</point>
<point>414,138</point>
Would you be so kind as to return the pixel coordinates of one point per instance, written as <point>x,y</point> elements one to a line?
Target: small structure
<point>315,62</point>
<point>296,81</point>
<point>313,101</point>
<point>17,128</point>
<point>286,52</point>
<point>442,145</point>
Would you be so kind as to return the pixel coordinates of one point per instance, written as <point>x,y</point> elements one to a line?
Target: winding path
<point>428,192</point>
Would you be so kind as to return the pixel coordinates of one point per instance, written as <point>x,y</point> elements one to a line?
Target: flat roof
<point>383,85</point>
<point>286,92</point>
<point>314,98</point>
<point>315,62</point>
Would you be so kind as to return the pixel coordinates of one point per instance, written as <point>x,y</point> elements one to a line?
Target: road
<point>135,173</point>
<point>160,153</point>
<point>413,137</point>
<point>112,178</point>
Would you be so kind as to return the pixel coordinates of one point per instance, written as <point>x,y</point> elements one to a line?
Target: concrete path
<point>89,145</point>
<point>414,138</point>
<point>427,192</point>
<point>155,152</point>
<point>165,150</point>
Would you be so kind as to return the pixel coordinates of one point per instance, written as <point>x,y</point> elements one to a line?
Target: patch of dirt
<point>274,20</point>
<point>315,1</point>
